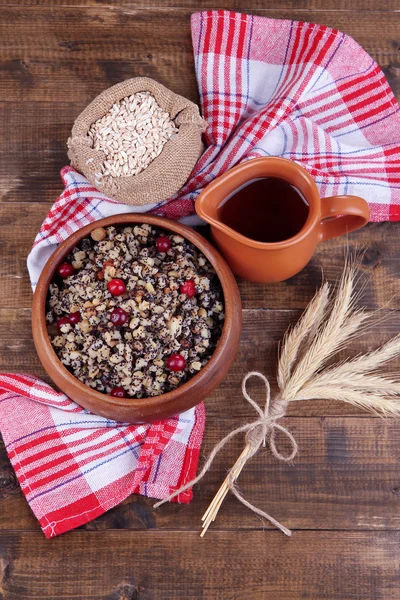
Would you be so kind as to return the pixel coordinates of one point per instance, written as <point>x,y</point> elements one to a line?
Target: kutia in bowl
<point>134,311</point>
<point>136,317</point>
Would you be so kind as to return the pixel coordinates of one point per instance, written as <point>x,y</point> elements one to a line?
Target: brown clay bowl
<point>154,408</point>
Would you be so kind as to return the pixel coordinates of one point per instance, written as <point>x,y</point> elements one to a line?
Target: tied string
<point>260,432</point>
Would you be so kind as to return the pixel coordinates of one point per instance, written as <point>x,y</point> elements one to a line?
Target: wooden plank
<point>262,332</point>
<point>73,53</point>
<point>40,127</point>
<point>158,566</point>
<point>313,6</point>
<point>345,476</point>
<point>20,222</point>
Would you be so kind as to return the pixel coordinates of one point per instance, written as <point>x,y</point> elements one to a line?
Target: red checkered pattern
<point>297,90</point>
<point>268,88</point>
<point>73,466</point>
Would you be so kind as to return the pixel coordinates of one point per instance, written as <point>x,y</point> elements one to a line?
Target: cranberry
<point>163,244</point>
<point>188,288</point>
<point>118,316</point>
<point>74,317</point>
<point>61,322</point>
<point>116,287</point>
<point>119,392</point>
<point>176,362</point>
<point>65,270</point>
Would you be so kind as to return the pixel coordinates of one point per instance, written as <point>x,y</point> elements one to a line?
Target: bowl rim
<point>232,306</point>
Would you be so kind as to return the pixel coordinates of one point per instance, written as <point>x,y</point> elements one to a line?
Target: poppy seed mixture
<point>134,311</point>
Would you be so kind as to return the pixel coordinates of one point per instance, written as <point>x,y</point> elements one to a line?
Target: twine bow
<point>263,430</point>
<point>260,432</point>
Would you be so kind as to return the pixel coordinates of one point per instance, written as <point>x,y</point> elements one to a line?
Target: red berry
<point>61,322</point>
<point>119,392</point>
<point>65,270</point>
<point>176,362</point>
<point>118,316</point>
<point>163,244</point>
<point>116,287</point>
<point>188,288</point>
<point>74,317</point>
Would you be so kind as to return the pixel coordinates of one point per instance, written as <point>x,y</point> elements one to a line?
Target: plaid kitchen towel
<point>301,91</point>
<point>267,88</point>
<point>73,466</point>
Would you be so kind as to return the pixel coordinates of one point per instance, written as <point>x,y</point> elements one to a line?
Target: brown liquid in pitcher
<point>265,210</point>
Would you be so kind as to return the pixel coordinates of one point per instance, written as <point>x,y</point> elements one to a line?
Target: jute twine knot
<point>263,431</point>
<point>260,432</point>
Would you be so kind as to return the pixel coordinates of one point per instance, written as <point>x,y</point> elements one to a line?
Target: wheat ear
<point>304,330</point>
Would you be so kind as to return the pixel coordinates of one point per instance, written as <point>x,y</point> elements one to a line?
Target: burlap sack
<point>167,173</point>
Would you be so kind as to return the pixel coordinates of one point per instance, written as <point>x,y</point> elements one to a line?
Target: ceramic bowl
<point>154,408</point>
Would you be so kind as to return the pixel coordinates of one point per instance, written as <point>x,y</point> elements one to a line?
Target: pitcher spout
<point>206,208</point>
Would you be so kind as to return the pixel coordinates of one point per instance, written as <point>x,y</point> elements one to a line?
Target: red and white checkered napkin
<point>267,88</point>
<point>301,91</point>
<point>73,466</point>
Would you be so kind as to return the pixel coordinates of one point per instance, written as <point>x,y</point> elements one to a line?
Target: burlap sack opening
<point>167,173</point>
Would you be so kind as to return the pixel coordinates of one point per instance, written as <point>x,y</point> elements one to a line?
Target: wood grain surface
<point>342,495</point>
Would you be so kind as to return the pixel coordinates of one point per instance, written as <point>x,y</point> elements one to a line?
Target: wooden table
<point>342,497</point>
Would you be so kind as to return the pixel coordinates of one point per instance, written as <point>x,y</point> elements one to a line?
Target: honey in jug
<point>265,210</point>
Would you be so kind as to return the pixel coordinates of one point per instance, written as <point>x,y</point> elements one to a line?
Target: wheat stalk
<point>302,332</point>
<point>326,326</point>
<point>368,362</point>
<point>387,404</point>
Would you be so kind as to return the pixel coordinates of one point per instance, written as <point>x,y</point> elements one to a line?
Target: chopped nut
<point>134,322</point>
<point>84,326</point>
<point>80,255</point>
<point>174,326</point>
<point>150,288</point>
<point>109,273</point>
<point>140,363</point>
<point>92,353</point>
<point>98,234</point>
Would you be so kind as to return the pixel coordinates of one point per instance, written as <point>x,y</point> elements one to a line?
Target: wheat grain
<point>131,135</point>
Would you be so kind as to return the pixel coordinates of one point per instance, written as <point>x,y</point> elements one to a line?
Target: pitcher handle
<point>342,214</point>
